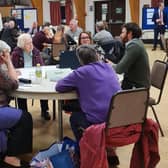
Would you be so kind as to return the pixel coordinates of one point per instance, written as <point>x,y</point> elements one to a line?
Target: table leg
<point>54,110</point>
<point>60,122</point>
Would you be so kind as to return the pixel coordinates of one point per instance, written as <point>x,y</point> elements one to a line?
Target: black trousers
<point>22,104</point>
<point>126,84</point>
<point>20,136</point>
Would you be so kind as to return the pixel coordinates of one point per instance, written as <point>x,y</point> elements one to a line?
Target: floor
<point>45,132</point>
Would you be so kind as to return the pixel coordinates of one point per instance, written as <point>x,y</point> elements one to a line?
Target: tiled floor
<point>45,132</point>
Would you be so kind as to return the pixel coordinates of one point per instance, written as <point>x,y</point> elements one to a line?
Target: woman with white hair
<point>26,55</point>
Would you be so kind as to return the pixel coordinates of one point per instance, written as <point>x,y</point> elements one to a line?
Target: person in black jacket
<point>10,35</point>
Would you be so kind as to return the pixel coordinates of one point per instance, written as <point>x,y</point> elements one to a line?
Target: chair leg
<point>16,102</point>
<point>154,112</point>
<point>32,102</point>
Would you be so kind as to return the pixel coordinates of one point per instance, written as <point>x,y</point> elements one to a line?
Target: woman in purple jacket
<point>15,125</point>
<point>95,82</point>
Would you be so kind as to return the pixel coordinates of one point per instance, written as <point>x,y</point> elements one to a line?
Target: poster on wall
<point>30,16</point>
<point>24,17</point>
<point>147,14</point>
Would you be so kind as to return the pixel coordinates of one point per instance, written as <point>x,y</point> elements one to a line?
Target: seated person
<point>10,35</point>
<point>34,29</point>
<point>95,82</point>
<point>74,29</point>
<point>102,34</point>
<point>15,125</point>
<point>42,40</point>
<point>26,55</point>
<point>85,38</point>
<point>59,35</point>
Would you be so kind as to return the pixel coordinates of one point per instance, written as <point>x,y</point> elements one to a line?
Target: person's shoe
<point>153,49</point>
<point>46,115</point>
<point>113,160</point>
<point>23,164</point>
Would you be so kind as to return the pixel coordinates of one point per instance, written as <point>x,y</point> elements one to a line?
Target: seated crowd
<point>95,80</point>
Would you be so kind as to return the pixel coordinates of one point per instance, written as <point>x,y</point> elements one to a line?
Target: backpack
<point>113,49</point>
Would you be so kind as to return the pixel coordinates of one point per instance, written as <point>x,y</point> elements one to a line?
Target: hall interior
<point>45,132</point>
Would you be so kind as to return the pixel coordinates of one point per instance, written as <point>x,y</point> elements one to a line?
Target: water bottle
<point>38,74</point>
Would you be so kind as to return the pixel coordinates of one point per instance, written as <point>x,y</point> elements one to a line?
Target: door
<point>113,12</point>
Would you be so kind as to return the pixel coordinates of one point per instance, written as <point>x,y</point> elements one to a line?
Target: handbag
<point>62,160</point>
<point>64,154</point>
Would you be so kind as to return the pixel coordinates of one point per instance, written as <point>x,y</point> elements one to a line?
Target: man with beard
<point>134,64</point>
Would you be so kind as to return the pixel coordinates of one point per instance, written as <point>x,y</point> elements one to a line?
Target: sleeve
<point>6,83</point>
<point>68,83</point>
<point>15,59</point>
<point>130,56</point>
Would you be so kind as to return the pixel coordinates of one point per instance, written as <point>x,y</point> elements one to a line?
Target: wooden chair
<point>57,48</point>
<point>158,77</point>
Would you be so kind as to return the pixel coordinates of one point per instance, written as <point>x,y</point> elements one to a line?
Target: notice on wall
<point>30,16</point>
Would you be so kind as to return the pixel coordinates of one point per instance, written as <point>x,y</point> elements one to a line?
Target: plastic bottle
<point>38,73</point>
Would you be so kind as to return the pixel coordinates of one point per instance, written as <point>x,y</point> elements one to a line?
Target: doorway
<point>113,12</point>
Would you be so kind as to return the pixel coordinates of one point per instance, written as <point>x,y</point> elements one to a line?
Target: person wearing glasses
<point>85,38</point>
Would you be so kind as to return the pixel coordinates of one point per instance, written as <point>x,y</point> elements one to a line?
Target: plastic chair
<point>158,76</point>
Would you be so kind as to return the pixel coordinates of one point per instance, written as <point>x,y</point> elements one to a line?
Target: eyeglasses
<point>86,37</point>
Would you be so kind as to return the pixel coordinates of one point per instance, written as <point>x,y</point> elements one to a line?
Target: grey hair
<point>22,39</point>
<point>86,54</point>
<point>4,45</point>
<point>74,21</point>
<point>100,25</point>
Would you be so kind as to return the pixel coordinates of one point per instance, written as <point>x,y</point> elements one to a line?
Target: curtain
<point>155,3</point>
<point>68,11</point>
<point>55,13</point>
<point>38,4</point>
<point>80,11</point>
<point>134,7</point>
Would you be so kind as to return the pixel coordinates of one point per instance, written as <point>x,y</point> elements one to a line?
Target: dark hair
<point>84,32</point>
<point>134,28</point>
<point>86,54</point>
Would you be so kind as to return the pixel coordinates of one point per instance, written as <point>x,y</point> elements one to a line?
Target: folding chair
<point>158,76</point>
<point>166,51</point>
<point>124,125</point>
<point>128,107</point>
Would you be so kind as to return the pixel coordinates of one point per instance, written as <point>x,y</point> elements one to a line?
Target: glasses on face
<point>86,37</point>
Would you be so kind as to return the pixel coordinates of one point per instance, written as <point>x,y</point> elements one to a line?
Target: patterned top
<point>7,85</point>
